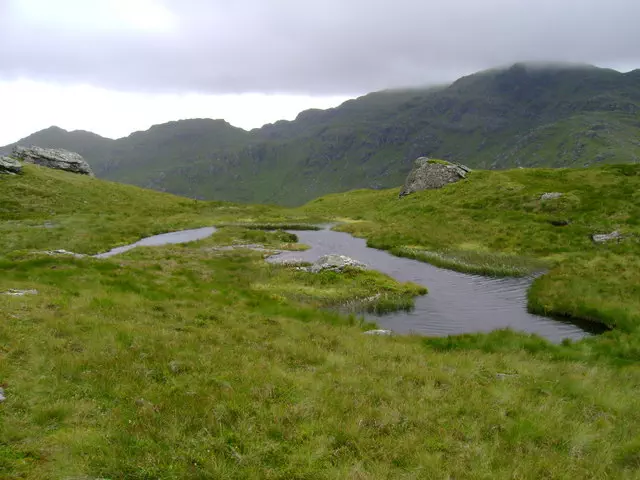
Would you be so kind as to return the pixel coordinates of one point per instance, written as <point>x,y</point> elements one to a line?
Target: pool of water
<point>183,236</point>
<point>456,303</point>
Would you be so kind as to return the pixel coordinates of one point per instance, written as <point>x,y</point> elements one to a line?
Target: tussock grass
<point>272,226</point>
<point>168,363</point>
<point>480,263</point>
<point>353,290</point>
<point>241,235</point>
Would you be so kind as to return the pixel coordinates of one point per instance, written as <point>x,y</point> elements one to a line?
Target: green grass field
<point>192,362</point>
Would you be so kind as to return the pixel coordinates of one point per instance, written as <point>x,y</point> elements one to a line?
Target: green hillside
<point>192,362</point>
<point>56,210</point>
<point>526,115</point>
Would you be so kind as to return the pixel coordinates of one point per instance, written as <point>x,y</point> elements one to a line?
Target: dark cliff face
<point>525,115</point>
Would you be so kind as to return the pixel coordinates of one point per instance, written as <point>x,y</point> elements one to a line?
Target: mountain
<point>91,146</point>
<point>143,157</point>
<point>525,115</point>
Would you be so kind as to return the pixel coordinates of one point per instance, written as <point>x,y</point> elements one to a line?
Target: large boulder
<point>53,158</point>
<point>10,166</point>
<point>428,174</point>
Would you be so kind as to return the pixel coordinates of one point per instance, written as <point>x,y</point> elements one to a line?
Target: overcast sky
<point>115,66</point>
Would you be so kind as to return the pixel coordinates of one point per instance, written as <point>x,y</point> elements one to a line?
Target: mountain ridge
<point>524,115</point>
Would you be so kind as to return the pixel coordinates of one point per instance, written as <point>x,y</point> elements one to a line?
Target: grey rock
<point>19,293</point>
<point>335,263</point>
<point>551,195</point>
<point>606,237</point>
<point>145,404</point>
<point>53,158</point>
<point>2,395</point>
<point>64,252</point>
<point>10,166</point>
<point>379,332</point>
<point>429,174</point>
<point>175,366</point>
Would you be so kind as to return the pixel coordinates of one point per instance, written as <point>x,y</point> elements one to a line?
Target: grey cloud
<point>322,46</point>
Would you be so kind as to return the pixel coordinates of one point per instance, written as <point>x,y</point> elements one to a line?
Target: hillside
<point>201,361</point>
<point>526,115</point>
<point>53,209</point>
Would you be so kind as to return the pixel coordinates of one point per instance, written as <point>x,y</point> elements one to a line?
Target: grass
<point>438,161</point>
<point>191,362</point>
<point>170,363</point>
<point>272,226</point>
<point>352,291</point>
<point>367,290</point>
<point>238,236</point>
<point>480,263</point>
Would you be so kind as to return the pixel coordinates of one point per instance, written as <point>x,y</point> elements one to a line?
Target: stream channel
<point>456,303</point>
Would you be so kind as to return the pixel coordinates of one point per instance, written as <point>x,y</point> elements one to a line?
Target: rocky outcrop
<point>430,174</point>
<point>335,263</point>
<point>53,158</point>
<point>10,166</point>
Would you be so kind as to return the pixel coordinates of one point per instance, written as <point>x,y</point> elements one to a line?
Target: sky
<point>117,66</point>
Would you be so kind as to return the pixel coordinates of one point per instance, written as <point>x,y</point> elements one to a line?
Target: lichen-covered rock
<point>430,174</point>
<point>64,252</point>
<point>550,195</point>
<point>335,263</point>
<point>53,158</point>
<point>12,292</point>
<point>606,237</point>
<point>10,166</point>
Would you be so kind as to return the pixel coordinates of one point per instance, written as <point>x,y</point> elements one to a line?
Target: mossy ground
<point>191,362</point>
